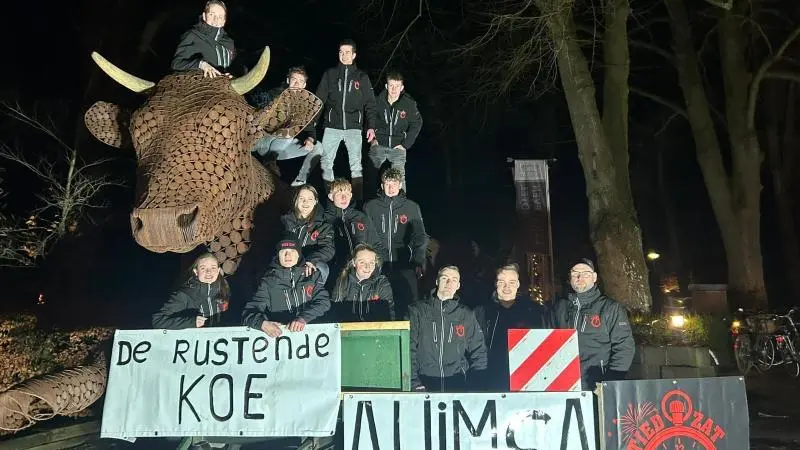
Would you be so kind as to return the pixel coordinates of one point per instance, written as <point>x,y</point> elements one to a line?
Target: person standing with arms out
<point>507,309</point>
<point>398,221</point>
<point>399,124</point>
<point>605,339</point>
<point>349,103</point>
<point>448,352</point>
<point>206,46</point>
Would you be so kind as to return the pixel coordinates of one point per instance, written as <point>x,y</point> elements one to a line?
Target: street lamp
<point>652,255</point>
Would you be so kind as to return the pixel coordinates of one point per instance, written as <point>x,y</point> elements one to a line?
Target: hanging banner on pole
<point>233,381</point>
<point>517,420</point>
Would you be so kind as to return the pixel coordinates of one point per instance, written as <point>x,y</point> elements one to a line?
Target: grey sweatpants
<point>330,145</point>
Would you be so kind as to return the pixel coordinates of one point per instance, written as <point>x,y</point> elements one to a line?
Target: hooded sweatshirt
<point>367,300</point>
<point>398,221</point>
<point>315,236</point>
<point>286,294</point>
<point>204,43</point>
<point>605,338</point>
<point>445,340</point>
<point>194,299</point>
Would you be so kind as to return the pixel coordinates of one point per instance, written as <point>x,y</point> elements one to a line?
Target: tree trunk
<point>780,150</point>
<point>614,229</point>
<point>734,200</point>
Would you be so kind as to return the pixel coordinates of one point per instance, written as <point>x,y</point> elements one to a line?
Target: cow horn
<point>246,83</point>
<point>131,82</point>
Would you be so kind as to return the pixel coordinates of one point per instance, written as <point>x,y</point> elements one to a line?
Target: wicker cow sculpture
<point>197,181</point>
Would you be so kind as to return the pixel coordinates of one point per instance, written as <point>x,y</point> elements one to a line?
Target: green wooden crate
<point>375,356</point>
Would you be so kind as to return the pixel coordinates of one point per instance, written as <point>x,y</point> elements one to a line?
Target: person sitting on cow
<point>351,226</point>
<point>287,295</point>
<point>447,349</point>
<point>206,46</point>
<point>306,225</point>
<point>362,294</point>
<point>304,145</point>
<point>200,302</point>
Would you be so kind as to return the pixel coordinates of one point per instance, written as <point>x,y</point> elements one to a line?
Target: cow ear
<point>287,115</point>
<point>108,123</point>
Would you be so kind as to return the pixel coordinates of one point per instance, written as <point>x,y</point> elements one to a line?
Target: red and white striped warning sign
<point>544,360</point>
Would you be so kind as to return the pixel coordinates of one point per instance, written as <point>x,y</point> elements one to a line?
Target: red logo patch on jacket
<point>402,114</point>
<point>375,298</point>
<point>360,226</point>
<point>356,84</point>
<point>460,330</point>
<point>314,235</point>
<point>595,321</point>
<point>403,218</point>
<point>309,290</point>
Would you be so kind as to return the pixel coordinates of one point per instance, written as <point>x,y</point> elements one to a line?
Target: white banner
<point>223,382</point>
<point>518,420</point>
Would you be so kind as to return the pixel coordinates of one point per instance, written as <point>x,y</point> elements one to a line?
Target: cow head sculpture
<point>197,182</point>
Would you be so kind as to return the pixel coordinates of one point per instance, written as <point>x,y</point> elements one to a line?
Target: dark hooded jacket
<point>496,320</point>
<point>194,299</point>
<point>351,228</point>
<point>445,341</point>
<point>348,97</point>
<point>399,123</point>
<point>285,295</point>
<point>204,43</point>
<point>316,237</point>
<point>398,221</point>
<point>605,339</point>
<point>369,300</point>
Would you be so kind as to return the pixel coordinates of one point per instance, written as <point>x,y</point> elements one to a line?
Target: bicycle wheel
<point>793,359</point>
<point>764,353</point>
<point>743,353</point>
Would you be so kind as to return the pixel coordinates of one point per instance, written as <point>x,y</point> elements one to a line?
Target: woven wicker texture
<point>197,180</point>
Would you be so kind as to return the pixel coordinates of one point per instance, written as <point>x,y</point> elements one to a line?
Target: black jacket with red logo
<point>605,338</point>
<point>351,227</point>
<point>194,299</point>
<point>398,221</point>
<point>348,97</point>
<point>445,340</point>
<point>399,123</point>
<point>369,300</point>
<point>285,295</point>
<point>315,236</point>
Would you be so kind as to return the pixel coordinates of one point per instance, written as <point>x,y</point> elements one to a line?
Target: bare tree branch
<point>677,109</point>
<point>400,38</point>
<point>724,4</point>
<point>783,75</point>
<point>755,84</point>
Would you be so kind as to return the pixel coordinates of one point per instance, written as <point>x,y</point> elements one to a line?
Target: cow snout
<point>160,229</point>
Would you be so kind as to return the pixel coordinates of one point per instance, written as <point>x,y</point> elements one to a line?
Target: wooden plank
<point>369,326</point>
<point>45,440</point>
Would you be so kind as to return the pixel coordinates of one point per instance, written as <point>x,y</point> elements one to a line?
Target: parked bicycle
<point>765,341</point>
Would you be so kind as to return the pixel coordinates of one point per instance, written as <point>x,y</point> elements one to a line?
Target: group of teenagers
<point>379,254</point>
<point>390,121</point>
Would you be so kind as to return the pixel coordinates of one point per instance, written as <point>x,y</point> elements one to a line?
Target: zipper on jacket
<point>441,344</point>
<point>294,290</point>
<point>391,114</point>
<point>494,328</point>
<point>583,327</point>
<point>391,213</point>
<point>208,300</point>
<point>577,304</point>
<point>433,325</point>
<point>286,297</point>
<point>344,99</point>
<point>450,335</point>
<point>602,367</point>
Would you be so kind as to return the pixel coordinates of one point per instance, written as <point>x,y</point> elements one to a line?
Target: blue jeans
<point>289,149</point>
<point>330,146</point>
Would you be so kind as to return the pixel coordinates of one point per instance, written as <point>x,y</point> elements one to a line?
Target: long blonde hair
<point>351,266</point>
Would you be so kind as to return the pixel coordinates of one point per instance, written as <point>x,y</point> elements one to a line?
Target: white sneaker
<point>296,183</point>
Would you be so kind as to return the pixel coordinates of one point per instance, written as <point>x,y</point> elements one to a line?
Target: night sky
<point>104,274</point>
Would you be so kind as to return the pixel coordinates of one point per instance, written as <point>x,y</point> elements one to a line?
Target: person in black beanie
<point>605,339</point>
